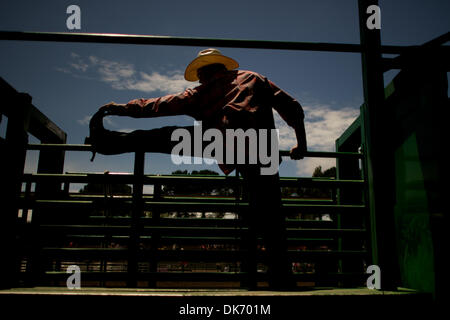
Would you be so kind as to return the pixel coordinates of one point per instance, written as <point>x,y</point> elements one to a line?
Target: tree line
<point>199,188</point>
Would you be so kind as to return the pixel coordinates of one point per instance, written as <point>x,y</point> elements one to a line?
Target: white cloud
<point>85,121</point>
<point>159,82</point>
<point>286,135</point>
<point>79,66</point>
<point>123,75</point>
<point>323,126</point>
<point>77,63</point>
<point>63,70</point>
<point>112,71</point>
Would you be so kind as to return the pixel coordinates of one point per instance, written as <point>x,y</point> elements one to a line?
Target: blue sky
<point>69,81</point>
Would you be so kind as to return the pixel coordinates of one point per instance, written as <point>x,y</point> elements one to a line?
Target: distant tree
<point>330,172</point>
<point>205,172</point>
<point>312,192</point>
<point>196,188</point>
<point>318,173</point>
<point>180,172</point>
<point>109,189</point>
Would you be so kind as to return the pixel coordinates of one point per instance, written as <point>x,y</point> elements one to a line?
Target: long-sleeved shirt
<point>231,100</point>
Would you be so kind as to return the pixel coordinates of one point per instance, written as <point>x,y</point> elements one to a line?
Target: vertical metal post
<point>12,162</point>
<point>379,160</point>
<point>51,161</point>
<point>156,236</point>
<point>138,203</point>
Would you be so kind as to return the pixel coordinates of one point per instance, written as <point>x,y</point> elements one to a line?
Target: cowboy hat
<point>207,57</point>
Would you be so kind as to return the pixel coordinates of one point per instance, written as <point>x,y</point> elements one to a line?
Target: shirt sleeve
<point>169,105</point>
<point>287,107</point>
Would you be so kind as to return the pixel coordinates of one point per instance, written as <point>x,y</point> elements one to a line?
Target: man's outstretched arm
<point>298,152</point>
<point>292,113</point>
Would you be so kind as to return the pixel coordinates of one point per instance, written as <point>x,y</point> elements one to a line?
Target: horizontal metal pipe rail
<point>194,255</point>
<point>168,180</point>
<point>283,153</point>
<point>185,41</point>
<point>169,206</point>
<point>178,232</point>
<point>212,277</point>
<point>206,222</point>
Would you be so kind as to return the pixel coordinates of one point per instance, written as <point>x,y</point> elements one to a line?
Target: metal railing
<point>51,215</point>
<point>144,239</point>
<point>140,244</point>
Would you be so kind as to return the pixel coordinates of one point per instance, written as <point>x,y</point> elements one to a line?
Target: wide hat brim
<point>190,73</point>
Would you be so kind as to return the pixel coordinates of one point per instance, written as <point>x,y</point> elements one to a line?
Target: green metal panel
<point>412,220</point>
<point>351,137</point>
<point>418,98</point>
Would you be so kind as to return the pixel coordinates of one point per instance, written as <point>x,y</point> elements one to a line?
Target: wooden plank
<point>38,125</point>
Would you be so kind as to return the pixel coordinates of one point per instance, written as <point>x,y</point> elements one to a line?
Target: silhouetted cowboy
<point>225,99</point>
